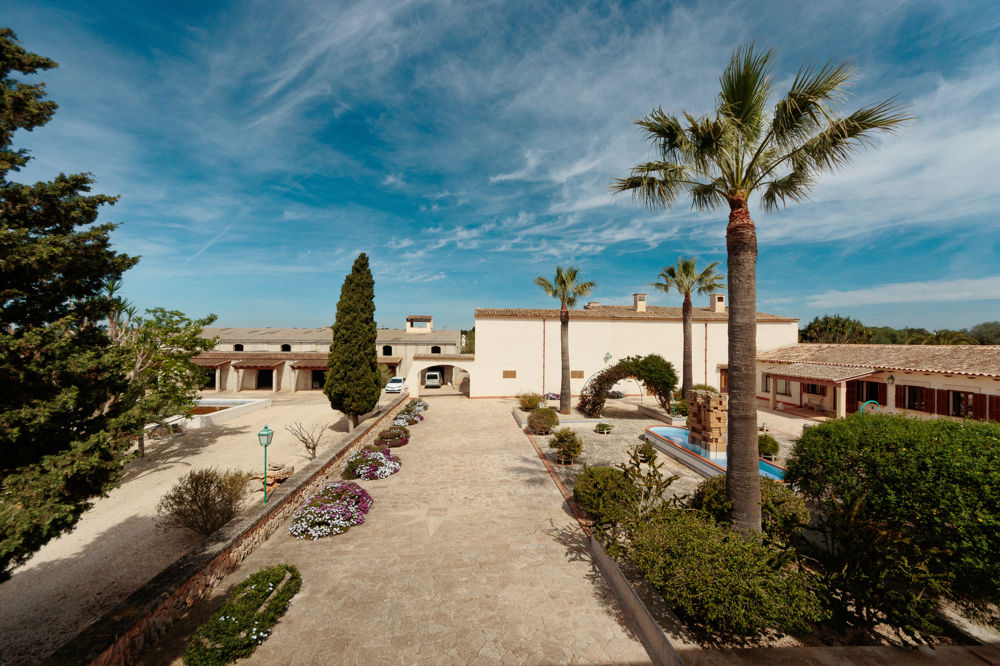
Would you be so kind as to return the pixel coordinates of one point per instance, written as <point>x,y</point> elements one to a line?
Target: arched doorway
<point>455,369</point>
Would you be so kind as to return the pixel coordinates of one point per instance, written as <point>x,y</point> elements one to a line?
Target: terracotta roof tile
<point>444,357</point>
<point>983,360</point>
<point>654,312</point>
<point>820,372</point>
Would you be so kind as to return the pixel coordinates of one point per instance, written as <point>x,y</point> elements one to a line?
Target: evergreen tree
<point>61,375</point>
<point>352,368</point>
<point>836,329</point>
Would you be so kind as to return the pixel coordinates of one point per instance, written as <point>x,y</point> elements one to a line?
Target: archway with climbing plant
<point>656,375</point>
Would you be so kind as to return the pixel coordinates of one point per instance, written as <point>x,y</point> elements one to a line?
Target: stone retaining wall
<point>121,634</point>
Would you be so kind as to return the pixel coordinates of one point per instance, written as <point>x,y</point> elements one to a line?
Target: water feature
<point>677,438</point>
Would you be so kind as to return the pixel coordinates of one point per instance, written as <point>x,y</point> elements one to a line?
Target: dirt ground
<point>118,545</point>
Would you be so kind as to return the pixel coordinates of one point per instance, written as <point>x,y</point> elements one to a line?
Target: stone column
<point>774,393</point>
<point>840,390</point>
<point>218,380</point>
<point>239,380</point>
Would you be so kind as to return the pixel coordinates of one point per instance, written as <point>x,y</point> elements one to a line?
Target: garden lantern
<point>264,437</point>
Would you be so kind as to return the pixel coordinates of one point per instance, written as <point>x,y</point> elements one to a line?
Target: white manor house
<point>518,351</point>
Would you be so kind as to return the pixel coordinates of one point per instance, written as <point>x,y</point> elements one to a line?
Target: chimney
<point>592,304</point>
<point>419,324</point>
<point>640,302</point>
<point>717,303</point>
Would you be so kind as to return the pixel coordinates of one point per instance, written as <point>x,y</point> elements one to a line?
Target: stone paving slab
<point>469,555</point>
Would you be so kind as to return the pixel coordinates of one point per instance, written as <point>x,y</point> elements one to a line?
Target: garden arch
<point>656,374</point>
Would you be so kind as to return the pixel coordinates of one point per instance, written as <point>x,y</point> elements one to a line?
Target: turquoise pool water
<point>679,436</point>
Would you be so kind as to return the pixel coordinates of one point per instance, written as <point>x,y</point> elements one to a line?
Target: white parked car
<point>395,385</point>
<point>432,380</point>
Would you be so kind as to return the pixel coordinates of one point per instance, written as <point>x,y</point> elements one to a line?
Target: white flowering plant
<point>335,509</point>
<point>246,619</point>
<point>372,463</point>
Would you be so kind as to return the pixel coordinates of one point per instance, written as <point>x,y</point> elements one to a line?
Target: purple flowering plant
<point>333,510</point>
<point>372,463</point>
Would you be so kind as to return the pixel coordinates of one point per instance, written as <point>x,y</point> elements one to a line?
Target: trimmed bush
<point>567,444</point>
<point>783,513</point>
<point>543,420</point>
<point>705,387</point>
<point>721,582</point>
<point>333,510</point>
<point>767,445</point>
<point>909,509</point>
<point>245,620</point>
<point>204,500</point>
<point>530,401</point>
<point>603,492</point>
<point>603,428</point>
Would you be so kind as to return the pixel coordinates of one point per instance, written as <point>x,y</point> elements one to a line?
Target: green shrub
<point>909,509</point>
<point>705,387</point>
<point>245,620</point>
<point>783,513</point>
<point>604,493</point>
<point>530,401</point>
<point>721,582</point>
<point>680,408</point>
<point>767,445</point>
<point>204,500</point>
<point>603,428</point>
<point>647,452</point>
<point>542,420</point>
<point>567,444</point>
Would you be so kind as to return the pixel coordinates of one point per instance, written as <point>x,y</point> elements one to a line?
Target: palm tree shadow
<point>577,550</point>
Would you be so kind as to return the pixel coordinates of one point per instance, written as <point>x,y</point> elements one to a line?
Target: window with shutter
<point>994,408</point>
<point>900,396</point>
<point>979,406</point>
<point>942,402</point>
<point>883,394</point>
<point>852,394</point>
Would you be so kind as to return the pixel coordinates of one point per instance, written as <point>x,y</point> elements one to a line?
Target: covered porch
<point>820,389</point>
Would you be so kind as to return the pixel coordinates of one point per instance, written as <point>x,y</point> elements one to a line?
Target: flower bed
<point>397,435</point>
<point>411,414</point>
<point>333,510</point>
<point>371,463</point>
<point>245,620</point>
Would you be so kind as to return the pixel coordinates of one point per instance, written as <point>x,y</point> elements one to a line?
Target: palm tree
<point>725,158</point>
<point>567,290</point>
<point>685,278</point>
<point>941,337</point>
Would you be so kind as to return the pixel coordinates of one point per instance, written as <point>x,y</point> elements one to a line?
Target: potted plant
<point>767,446</point>
<point>603,428</point>
<point>568,446</point>
<point>542,420</point>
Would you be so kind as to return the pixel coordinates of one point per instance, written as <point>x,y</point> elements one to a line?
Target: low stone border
<point>121,634</point>
<point>657,646</point>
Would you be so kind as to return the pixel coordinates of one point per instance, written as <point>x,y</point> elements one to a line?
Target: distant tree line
<point>844,330</point>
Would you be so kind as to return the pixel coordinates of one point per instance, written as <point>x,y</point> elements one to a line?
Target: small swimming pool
<point>677,439</point>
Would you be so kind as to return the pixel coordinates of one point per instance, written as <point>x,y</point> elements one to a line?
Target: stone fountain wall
<point>708,420</point>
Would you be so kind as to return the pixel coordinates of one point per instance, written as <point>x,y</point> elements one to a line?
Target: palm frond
<point>804,109</point>
<point>668,134</point>
<point>708,196</point>
<point>746,87</point>
<point>712,142</point>
<point>833,147</point>
<point>793,187</point>
<point>656,184</point>
<point>709,280</point>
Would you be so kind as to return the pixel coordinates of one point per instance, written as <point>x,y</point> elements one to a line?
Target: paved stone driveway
<point>468,555</point>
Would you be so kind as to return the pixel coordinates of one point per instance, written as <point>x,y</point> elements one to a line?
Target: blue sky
<point>258,147</point>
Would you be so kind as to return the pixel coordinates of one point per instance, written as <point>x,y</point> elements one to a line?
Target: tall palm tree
<point>724,159</point>
<point>567,290</point>
<point>685,278</point>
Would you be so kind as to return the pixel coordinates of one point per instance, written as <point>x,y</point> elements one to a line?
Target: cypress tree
<point>352,368</point>
<point>60,375</point>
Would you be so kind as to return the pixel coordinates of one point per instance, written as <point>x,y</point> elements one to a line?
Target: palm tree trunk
<point>687,381</point>
<point>565,395</point>
<point>742,475</point>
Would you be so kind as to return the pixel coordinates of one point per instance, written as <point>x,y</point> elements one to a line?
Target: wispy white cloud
<point>932,291</point>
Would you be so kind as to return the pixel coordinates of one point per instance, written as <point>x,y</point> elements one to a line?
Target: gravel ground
<point>614,449</point>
